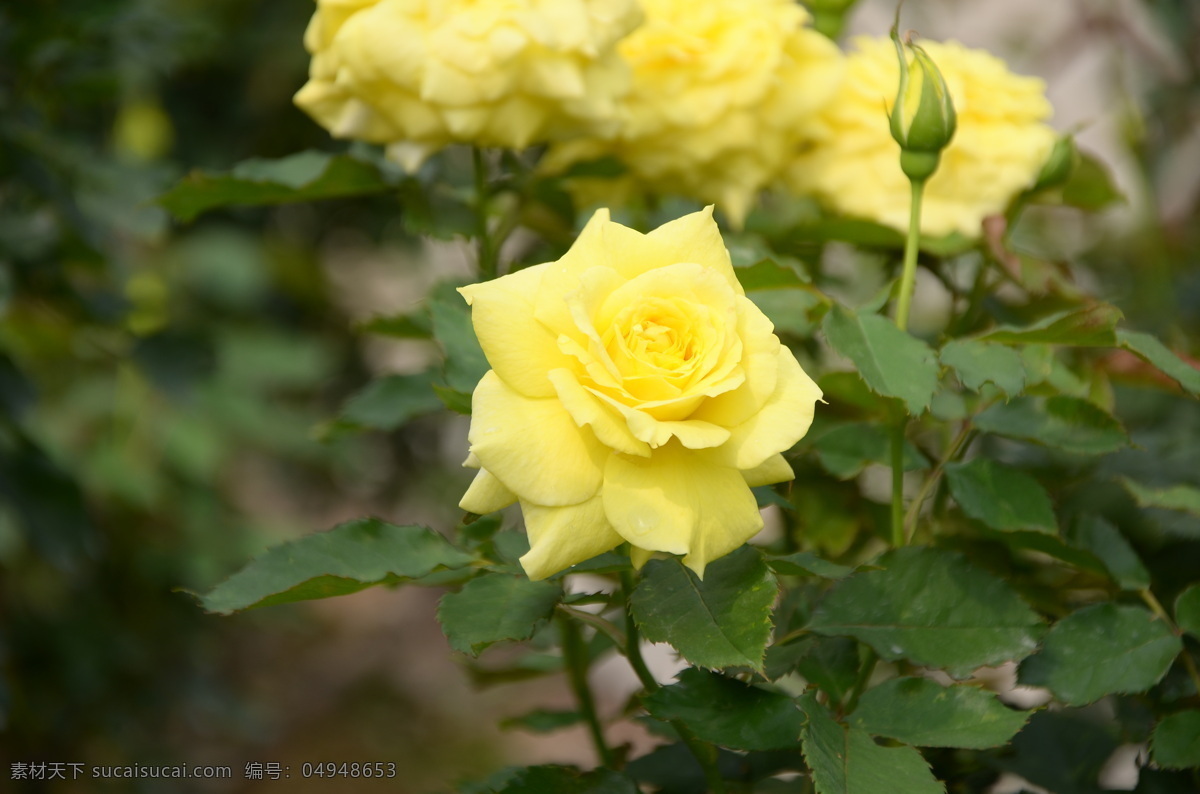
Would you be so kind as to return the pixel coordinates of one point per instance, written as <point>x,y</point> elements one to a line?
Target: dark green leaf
<point>805,563</point>
<point>1176,740</point>
<point>389,402</point>
<point>399,326</point>
<point>847,760</point>
<point>1061,751</point>
<point>1101,650</point>
<point>783,659</point>
<point>176,361</point>
<point>979,362</point>
<point>1090,326</point>
<point>495,607</point>
<point>933,608</point>
<point>345,559</point>
<point>1150,349</point>
<point>1090,187</point>
<point>543,721</point>
<point>721,621</point>
<point>845,450</point>
<point>921,712</point>
<point>1180,498</point>
<point>305,176</point>
<point>768,274</point>
<point>1187,611</point>
<point>455,400</point>
<point>551,779</point>
<point>832,665</point>
<point>1066,423</point>
<point>465,362</point>
<point>1001,497</point>
<point>792,311</point>
<point>728,712</point>
<point>1108,544</point>
<point>892,362</point>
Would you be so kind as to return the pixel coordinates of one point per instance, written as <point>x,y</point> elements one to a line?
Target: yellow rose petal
<point>486,494</point>
<point>782,421</point>
<point>533,446</point>
<point>680,501</point>
<point>560,537</point>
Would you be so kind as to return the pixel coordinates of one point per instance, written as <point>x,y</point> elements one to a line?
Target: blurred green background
<point>166,390</point>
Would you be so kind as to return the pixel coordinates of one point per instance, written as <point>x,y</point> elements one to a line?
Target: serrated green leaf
<point>398,326</point>
<point>496,607</point>
<point>832,664</point>
<point>847,760</point>
<point>305,176</point>
<point>768,274</point>
<point>1000,497</point>
<point>933,608</point>
<point>1090,187</point>
<point>465,361</point>
<point>1090,326</point>
<point>1107,543</point>
<point>348,558</point>
<point>1101,650</point>
<point>845,450</point>
<point>805,563</point>
<point>1187,611</point>
<point>543,721</point>
<point>924,713</point>
<point>979,362</point>
<point>1148,348</point>
<point>1175,743</point>
<point>390,402</point>
<point>727,712</point>
<point>1180,498</point>
<point>792,311</point>
<point>721,621</point>
<point>554,779</point>
<point>1065,423</point>
<point>892,362</point>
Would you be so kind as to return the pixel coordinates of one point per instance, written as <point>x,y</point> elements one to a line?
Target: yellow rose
<point>997,151</point>
<point>721,93</point>
<point>425,73</point>
<point>635,395</point>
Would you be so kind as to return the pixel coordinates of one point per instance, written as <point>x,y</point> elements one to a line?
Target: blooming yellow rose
<point>635,395</point>
<point>997,151</point>
<point>426,73</point>
<point>721,94</point>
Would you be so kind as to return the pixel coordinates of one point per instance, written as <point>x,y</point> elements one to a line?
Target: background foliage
<point>186,382</point>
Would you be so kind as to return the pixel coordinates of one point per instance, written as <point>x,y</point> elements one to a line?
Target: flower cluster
<point>426,73</point>
<point>723,92</point>
<point>998,149</point>
<point>635,395</point>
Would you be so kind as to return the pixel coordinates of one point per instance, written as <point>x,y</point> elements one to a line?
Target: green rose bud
<point>1058,166</point>
<point>922,119</point>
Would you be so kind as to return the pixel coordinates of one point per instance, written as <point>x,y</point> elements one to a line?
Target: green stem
<point>705,753</point>
<point>864,677</point>
<point>908,278</point>
<point>910,518</point>
<point>575,656</point>
<point>487,258</point>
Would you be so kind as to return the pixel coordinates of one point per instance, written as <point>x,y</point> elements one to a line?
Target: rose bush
<point>635,395</point>
<point>998,149</point>
<point>425,73</point>
<point>722,93</point>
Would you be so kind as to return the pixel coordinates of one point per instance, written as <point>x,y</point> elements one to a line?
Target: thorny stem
<point>1158,610</point>
<point>864,677</point>
<point>908,278</point>
<point>575,656</point>
<point>705,753</point>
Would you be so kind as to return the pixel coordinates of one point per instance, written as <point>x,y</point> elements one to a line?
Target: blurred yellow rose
<point>425,73</point>
<point>722,91</point>
<point>997,151</point>
<point>635,395</point>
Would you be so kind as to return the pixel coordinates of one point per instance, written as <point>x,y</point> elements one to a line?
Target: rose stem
<point>575,656</point>
<point>488,255</point>
<point>908,278</point>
